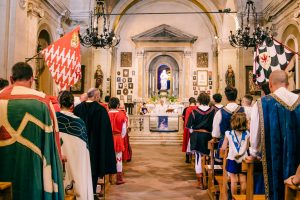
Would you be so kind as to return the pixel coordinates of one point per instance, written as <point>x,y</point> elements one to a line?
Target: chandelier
<point>243,36</point>
<point>93,37</point>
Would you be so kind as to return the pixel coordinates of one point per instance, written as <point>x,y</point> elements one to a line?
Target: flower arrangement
<point>172,99</point>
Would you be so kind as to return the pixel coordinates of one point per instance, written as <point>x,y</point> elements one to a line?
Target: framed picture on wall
<point>78,88</point>
<point>202,78</point>
<point>196,92</point>
<point>202,59</point>
<point>120,85</point>
<point>125,72</point>
<point>130,85</point>
<point>194,78</point>
<point>118,79</point>
<point>125,91</point>
<point>194,83</point>
<point>129,80</point>
<point>124,80</point>
<point>118,92</point>
<point>126,59</point>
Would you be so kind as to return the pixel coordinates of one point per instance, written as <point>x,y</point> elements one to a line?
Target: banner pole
<point>33,57</point>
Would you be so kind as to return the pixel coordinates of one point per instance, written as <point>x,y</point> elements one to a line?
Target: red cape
<point>186,131</point>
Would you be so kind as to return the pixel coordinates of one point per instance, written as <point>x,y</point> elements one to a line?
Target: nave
<point>157,172</point>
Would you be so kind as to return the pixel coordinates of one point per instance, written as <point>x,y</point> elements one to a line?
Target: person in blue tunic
<point>221,122</point>
<point>275,134</point>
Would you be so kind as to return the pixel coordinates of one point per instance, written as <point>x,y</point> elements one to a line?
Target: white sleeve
<point>216,125</point>
<point>255,136</point>
<point>124,130</point>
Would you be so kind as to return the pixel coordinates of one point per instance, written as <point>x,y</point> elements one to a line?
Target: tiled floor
<point>157,172</point>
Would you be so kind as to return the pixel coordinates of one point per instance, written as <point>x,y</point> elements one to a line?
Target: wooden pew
<point>250,166</point>
<point>211,170</point>
<point>6,191</point>
<point>291,193</point>
<point>223,179</point>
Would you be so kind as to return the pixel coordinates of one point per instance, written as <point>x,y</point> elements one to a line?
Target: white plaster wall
<point>4,35</point>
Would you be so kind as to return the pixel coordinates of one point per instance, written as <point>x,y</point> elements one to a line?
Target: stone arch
<point>291,37</point>
<point>204,5</point>
<point>43,76</point>
<point>155,64</point>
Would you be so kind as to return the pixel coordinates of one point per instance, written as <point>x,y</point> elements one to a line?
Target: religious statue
<point>230,77</point>
<point>164,80</point>
<point>99,77</point>
<point>290,70</point>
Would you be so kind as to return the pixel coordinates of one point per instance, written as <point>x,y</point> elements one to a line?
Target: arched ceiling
<point>131,3</point>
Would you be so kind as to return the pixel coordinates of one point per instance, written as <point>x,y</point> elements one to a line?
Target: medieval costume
<point>221,123</point>
<point>275,136</point>
<point>74,146</point>
<point>118,121</point>
<point>105,105</point>
<point>28,150</point>
<point>200,124</point>
<point>186,132</point>
<point>102,156</point>
<point>127,153</point>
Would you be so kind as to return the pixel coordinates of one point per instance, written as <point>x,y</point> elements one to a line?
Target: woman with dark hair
<point>200,124</point>
<point>74,147</point>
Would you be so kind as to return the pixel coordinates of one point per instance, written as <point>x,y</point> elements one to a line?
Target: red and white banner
<point>63,59</point>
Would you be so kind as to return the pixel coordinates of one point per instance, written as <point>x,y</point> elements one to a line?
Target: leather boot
<point>200,181</point>
<point>120,178</point>
<point>187,158</point>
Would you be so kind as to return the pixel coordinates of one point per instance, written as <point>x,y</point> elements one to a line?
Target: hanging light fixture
<point>93,37</point>
<point>243,36</point>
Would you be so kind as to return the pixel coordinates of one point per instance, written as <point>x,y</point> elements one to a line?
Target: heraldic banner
<point>63,59</point>
<point>270,56</point>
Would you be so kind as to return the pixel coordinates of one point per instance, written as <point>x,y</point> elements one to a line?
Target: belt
<point>201,131</point>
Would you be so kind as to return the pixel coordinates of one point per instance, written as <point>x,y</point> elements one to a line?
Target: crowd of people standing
<point>41,137</point>
<point>63,146</point>
<point>265,130</point>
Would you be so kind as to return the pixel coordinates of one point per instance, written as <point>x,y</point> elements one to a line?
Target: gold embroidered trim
<point>20,90</point>
<point>263,148</point>
<point>290,108</point>
<point>16,135</point>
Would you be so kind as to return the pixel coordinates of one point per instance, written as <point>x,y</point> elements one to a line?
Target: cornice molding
<point>276,8</point>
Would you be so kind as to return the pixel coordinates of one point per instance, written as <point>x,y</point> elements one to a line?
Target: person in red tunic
<point>118,122</point>
<point>127,153</point>
<point>186,133</point>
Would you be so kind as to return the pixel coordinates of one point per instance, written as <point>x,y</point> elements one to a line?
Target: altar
<point>168,122</point>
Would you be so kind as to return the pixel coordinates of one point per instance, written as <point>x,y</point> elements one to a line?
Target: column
<point>140,74</point>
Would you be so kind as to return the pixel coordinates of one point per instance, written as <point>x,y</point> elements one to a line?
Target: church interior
<point>154,55</point>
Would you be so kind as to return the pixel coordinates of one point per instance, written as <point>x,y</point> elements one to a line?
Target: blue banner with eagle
<point>270,56</point>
